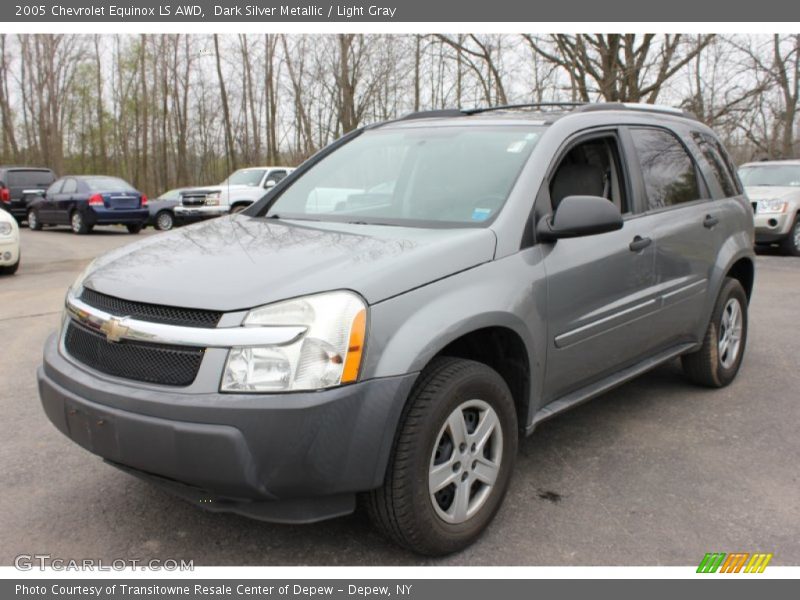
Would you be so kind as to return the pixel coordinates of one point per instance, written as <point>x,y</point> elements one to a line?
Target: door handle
<point>710,221</point>
<point>639,243</point>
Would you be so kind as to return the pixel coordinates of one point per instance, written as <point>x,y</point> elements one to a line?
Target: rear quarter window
<point>712,154</point>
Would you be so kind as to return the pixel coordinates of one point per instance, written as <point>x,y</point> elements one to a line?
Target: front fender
<point>408,330</point>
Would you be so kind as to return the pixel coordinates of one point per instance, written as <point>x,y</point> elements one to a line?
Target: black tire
<point>134,229</point>
<point>34,223</point>
<point>78,223</point>
<point>237,208</point>
<point>403,509</point>
<point>791,243</point>
<point>707,366</point>
<point>165,220</point>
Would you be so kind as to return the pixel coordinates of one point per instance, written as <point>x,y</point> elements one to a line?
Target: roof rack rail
<point>475,111</point>
<point>434,114</point>
<point>658,108</point>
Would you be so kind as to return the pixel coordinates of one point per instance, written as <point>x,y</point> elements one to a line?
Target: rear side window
<point>669,173</point>
<point>32,178</point>
<point>711,151</point>
<point>70,187</point>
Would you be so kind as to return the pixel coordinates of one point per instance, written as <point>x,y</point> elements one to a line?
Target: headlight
<point>213,195</point>
<point>771,206</point>
<point>212,201</point>
<point>6,228</point>
<point>326,355</point>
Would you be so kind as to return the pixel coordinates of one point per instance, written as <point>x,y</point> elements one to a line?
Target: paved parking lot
<point>656,472</point>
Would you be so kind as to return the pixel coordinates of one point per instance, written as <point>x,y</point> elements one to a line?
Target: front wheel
<point>452,459</point>
<point>237,208</point>
<point>791,243</point>
<point>165,221</point>
<point>78,223</point>
<point>717,361</point>
<point>33,220</point>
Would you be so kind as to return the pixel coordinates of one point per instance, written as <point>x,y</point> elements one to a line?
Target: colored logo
<point>736,562</point>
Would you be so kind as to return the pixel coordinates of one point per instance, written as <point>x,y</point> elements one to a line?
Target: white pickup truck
<point>237,192</point>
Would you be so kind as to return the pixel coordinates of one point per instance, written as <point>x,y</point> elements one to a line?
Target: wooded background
<point>171,110</point>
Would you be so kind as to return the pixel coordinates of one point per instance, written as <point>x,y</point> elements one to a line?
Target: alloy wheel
<point>465,461</point>
<point>730,334</point>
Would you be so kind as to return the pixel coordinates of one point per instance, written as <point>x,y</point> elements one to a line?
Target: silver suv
<point>391,317</point>
<point>773,187</point>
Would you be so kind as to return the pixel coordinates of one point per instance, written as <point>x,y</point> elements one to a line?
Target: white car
<point>9,244</point>
<point>773,188</point>
<point>233,195</point>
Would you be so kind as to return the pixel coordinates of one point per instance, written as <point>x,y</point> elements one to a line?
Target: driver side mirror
<point>270,183</point>
<point>577,216</point>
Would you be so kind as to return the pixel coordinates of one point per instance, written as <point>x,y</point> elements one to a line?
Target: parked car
<point>233,195</point>
<point>774,190</point>
<point>162,209</point>
<point>485,271</point>
<point>19,185</point>
<point>9,244</point>
<point>83,201</point>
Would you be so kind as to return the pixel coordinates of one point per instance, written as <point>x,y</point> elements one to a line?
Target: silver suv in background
<point>392,316</point>
<point>233,195</point>
<point>774,191</point>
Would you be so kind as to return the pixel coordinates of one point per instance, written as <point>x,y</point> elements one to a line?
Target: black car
<point>84,201</point>
<point>19,185</point>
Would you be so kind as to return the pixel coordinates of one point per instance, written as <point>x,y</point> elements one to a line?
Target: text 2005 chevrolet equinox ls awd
<point>392,316</point>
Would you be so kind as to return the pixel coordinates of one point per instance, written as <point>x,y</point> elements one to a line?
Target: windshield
<point>773,175</point>
<point>108,184</point>
<point>250,177</point>
<point>426,177</point>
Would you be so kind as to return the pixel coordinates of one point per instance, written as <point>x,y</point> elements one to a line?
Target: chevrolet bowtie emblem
<point>114,330</point>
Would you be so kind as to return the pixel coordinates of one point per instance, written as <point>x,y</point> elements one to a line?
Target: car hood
<point>772,192</point>
<point>238,262</point>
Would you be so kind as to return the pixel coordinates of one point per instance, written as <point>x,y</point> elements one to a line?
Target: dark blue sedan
<point>83,201</point>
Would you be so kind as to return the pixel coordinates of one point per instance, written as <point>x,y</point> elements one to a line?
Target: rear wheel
<point>78,223</point>
<point>134,228</point>
<point>717,361</point>
<point>165,221</point>
<point>452,460</point>
<point>791,243</point>
<point>33,220</point>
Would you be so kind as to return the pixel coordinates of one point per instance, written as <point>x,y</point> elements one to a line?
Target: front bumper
<point>9,250</point>
<point>296,457</point>
<point>198,213</point>
<point>772,227</point>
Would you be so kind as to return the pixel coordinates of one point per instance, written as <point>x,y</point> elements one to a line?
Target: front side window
<point>669,173</point>
<point>426,176</point>
<point>771,175</point>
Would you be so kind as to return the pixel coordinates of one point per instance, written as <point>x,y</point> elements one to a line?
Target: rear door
<point>685,222</point>
<point>65,200</point>
<point>600,287</point>
<point>46,208</point>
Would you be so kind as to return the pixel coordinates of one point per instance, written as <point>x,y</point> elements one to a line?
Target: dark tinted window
<point>711,152</point>
<point>70,186</point>
<point>275,176</point>
<point>32,178</point>
<point>669,173</point>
